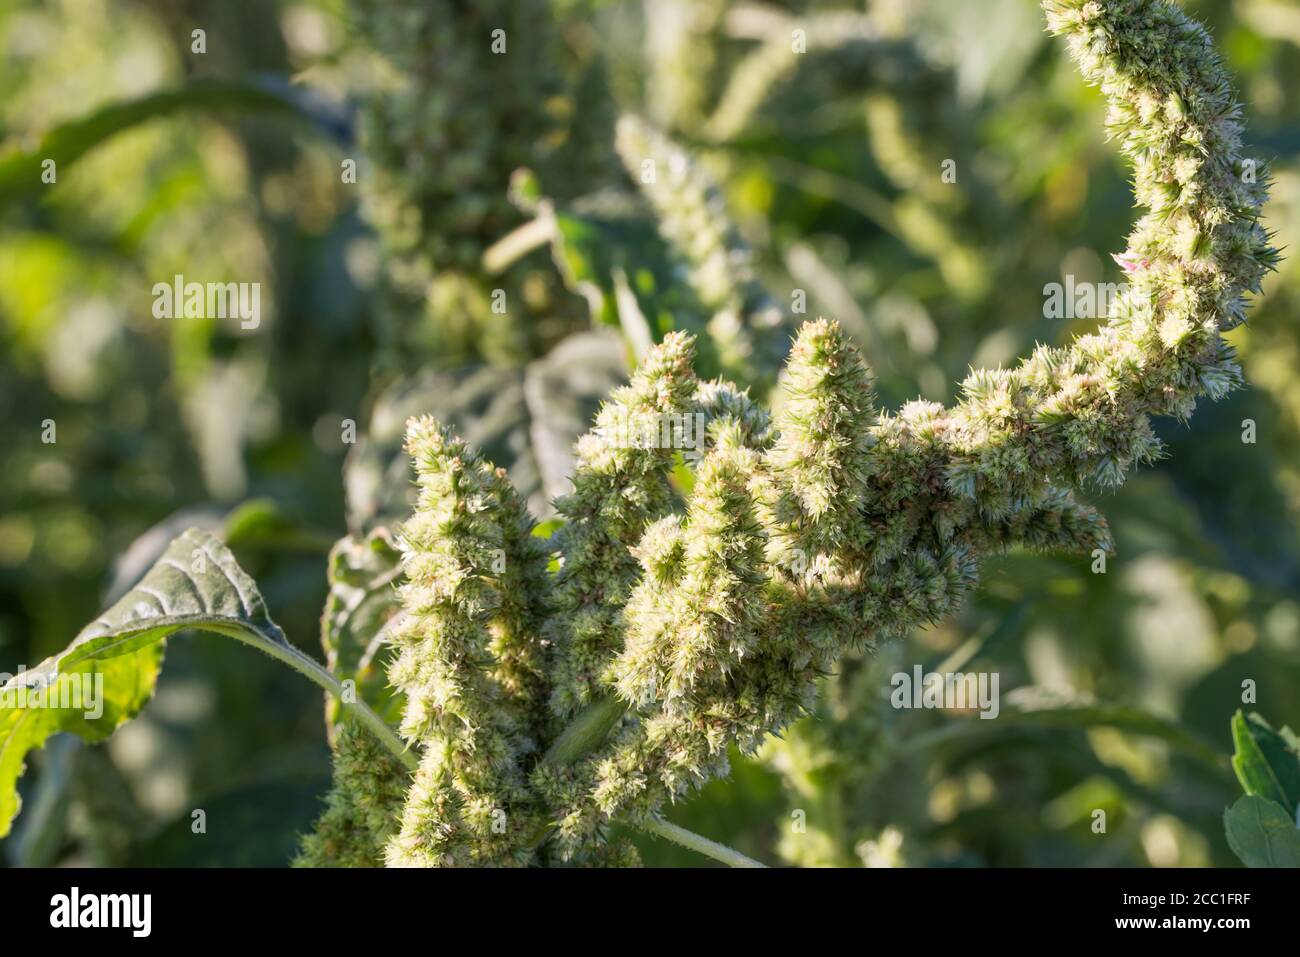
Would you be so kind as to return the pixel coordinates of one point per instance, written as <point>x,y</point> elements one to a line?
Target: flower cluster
<point>469,657</point>
<point>456,98</point>
<point>618,491</point>
<point>691,615</point>
<point>361,811</point>
<point>449,117</point>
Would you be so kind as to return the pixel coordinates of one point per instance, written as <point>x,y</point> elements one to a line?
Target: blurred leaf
<point>991,44</point>
<point>1036,708</point>
<point>1261,834</point>
<point>525,420</point>
<point>563,389</point>
<point>20,172</point>
<point>1229,501</point>
<point>261,523</point>
<point>625,271</point>
<point>195,584</point>
<point>362,600</point>
<point>108,818</point>
<point>1267,762</point>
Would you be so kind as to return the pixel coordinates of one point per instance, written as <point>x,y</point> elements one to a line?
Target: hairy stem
<point>679,835</point>
<point>313,671</point>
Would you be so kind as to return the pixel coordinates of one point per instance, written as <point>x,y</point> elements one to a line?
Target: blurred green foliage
<point>1263,827</point>
<point>1117,687</point>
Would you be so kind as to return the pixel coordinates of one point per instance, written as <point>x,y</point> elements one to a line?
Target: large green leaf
<point>523,419</point>
<point>1267,762</point>
<point>114,662</point>
<point>362,600</point>
<point>20,172</point>
<point>1261,834</point>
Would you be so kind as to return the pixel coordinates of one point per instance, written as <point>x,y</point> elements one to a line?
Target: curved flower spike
<point>745,322</point>
<point>464,662</point>
<point>620,487</point>
<point>820,461</point>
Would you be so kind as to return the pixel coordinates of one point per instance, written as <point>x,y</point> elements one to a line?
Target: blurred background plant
<point>495,263</point>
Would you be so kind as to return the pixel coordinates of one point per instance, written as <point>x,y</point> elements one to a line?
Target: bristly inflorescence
<point>455,98</point>
<point>620,487</point>
<point>701,615</point>
<point>469,657</point>
<point>441,163</point>
<point>745,325</point>
<point>362,808</point>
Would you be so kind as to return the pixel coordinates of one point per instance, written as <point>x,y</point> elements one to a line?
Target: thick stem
<point>584,734</point>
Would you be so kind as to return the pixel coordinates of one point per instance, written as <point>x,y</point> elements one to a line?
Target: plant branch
<point>584,734</point>
<point>515,245</point>
<point>679,835</point>
<point>312,670</point>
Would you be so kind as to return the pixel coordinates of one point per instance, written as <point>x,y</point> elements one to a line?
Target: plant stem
<point>519,243</point>
<point>586,732</point>
<point>583,735</point>
<point>311,669</point>
<point>702,845</point>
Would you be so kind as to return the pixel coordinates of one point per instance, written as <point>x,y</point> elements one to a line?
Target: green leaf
<point>1035,707</point>
<point>262,523</point>
<point>362,600</point>
<point>108,673</point>
<point>20,172</point>
<point>1260,833</point>
<point>1267,762</point>
<point>130,566</point>
<point>625,271</point>
<point>525,420</point>
<point>40,834</point>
